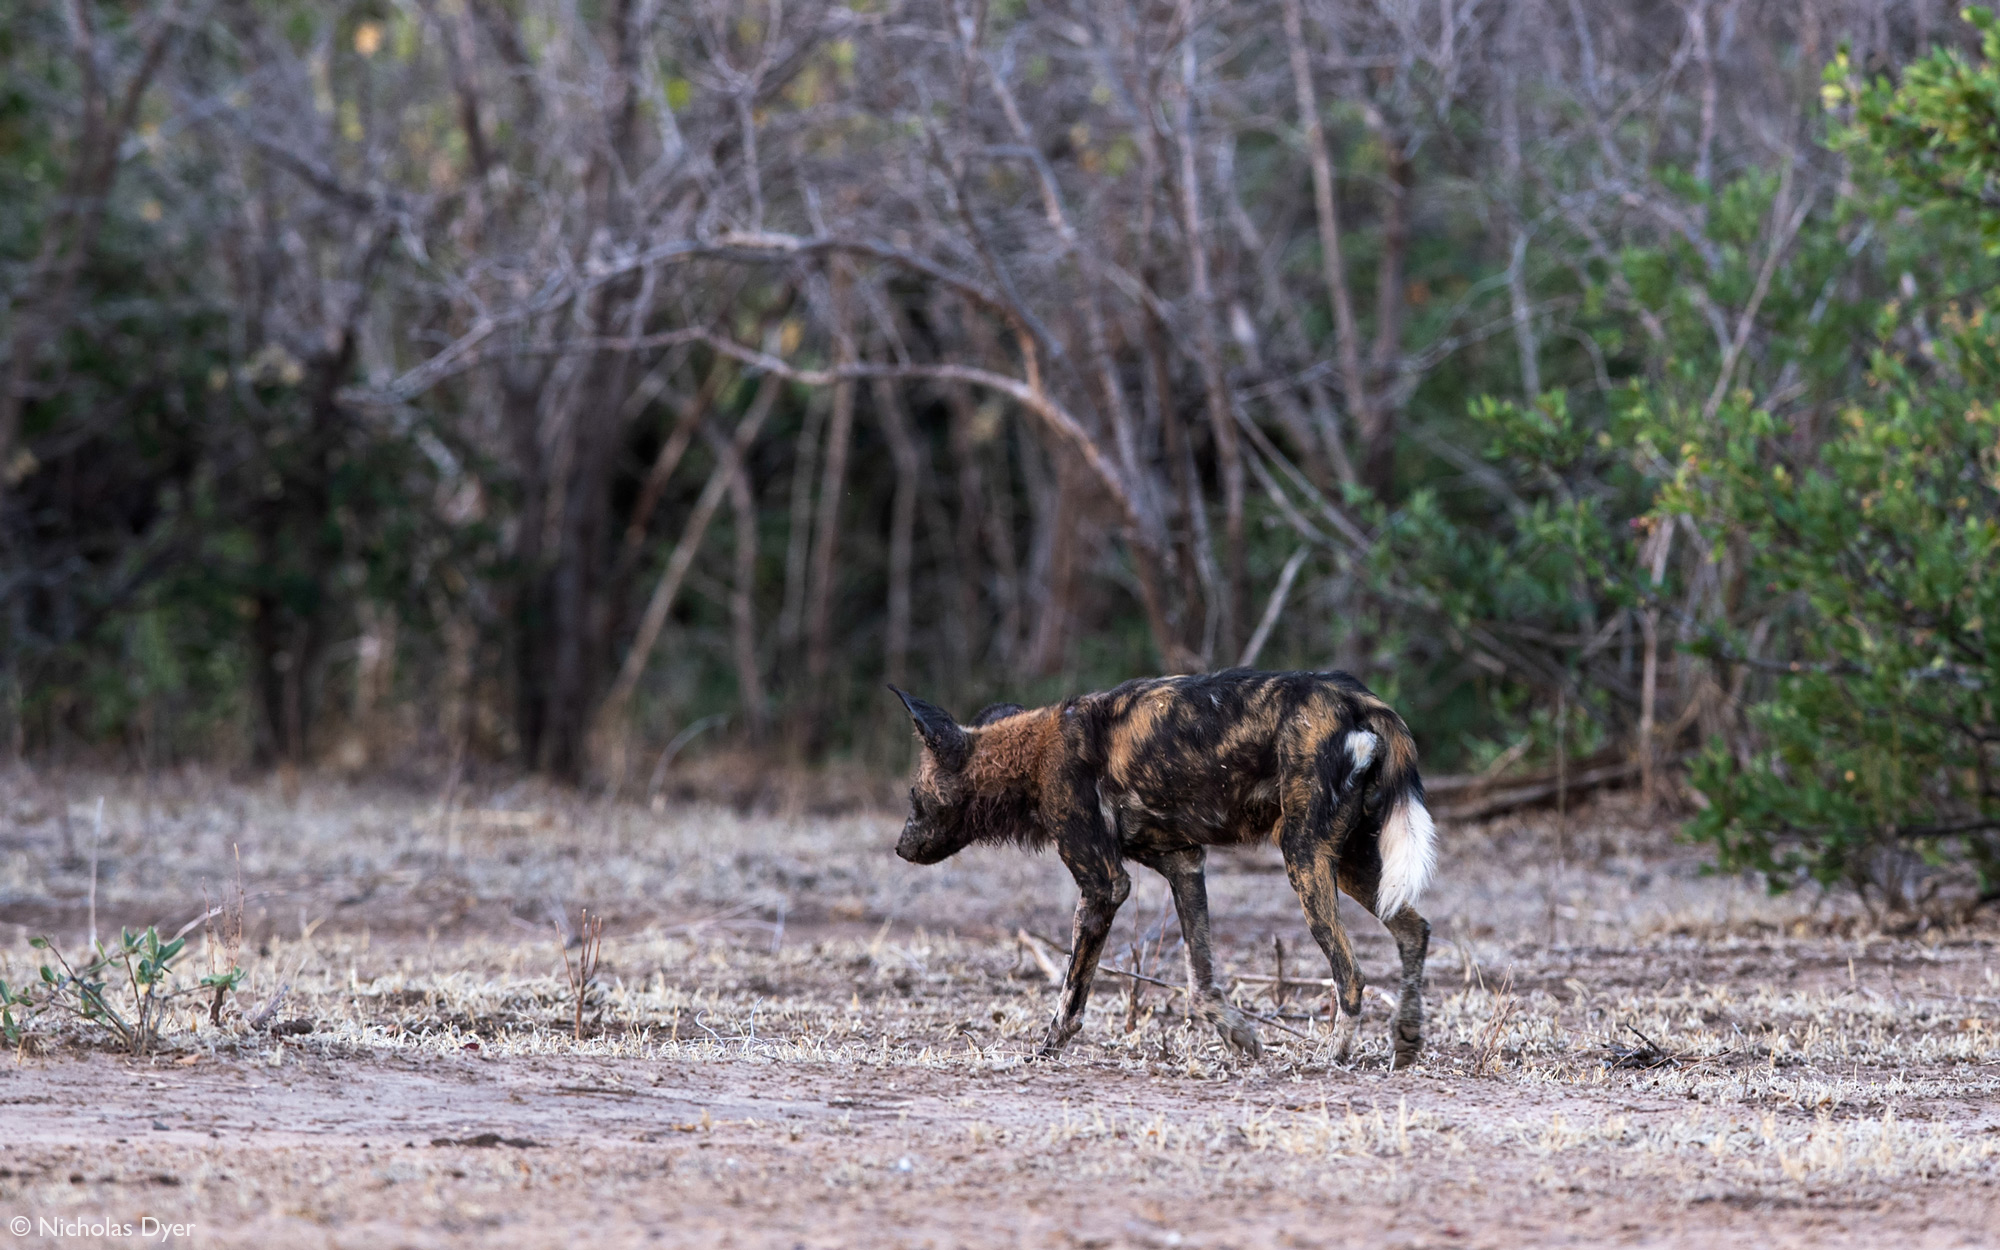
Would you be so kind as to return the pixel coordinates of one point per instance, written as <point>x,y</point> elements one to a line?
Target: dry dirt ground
<point>797,1040</point>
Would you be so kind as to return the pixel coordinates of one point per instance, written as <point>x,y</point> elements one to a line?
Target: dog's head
<point>939,825</point>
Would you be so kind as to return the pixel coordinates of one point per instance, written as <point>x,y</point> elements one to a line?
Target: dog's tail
<point>1408,837</point>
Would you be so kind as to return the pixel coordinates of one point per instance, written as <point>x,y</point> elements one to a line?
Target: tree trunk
<point>1221,422</point>
<point>1347,331</point>
<point>519,390</point>
<point>812,726</point>
<point>743,604</point>
<point>1196,565</point>
<point>1378,430</point>
<point>743,594</point>
<point>608,732</point>
<point>1045,655</point>
<point>971,520</point>
<point>902,525</point>
<point>577,652</point>
<point>798,530</point>
<point>300,546</point>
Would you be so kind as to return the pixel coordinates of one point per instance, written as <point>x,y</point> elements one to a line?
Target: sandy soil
<point>798,1041</point>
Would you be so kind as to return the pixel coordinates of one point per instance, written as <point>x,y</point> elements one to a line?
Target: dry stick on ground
<point>270,1009</point>
<point>1049,970</point>
<point>1132,991</point>
<point>1470,799</point>
<point>1034,942</point>
<point>590,930</point>
<point>1648,1055</point>
<point>208,915</point>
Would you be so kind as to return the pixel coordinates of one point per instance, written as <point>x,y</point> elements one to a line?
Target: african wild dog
<point>1160,769</point>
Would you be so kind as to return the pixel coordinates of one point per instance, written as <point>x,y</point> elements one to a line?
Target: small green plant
<point>220,983</point>
<point>11,998</point>
<point>83,990</point>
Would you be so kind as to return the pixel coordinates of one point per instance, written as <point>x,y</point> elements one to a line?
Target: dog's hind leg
<point>1309,835</point>
<point>1183,871</point>
<point>1413,940</point>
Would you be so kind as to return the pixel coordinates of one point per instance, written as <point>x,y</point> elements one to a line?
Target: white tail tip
<point>1409,857</point>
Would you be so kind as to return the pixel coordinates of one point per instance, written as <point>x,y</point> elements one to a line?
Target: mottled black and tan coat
<point>1160,769</point>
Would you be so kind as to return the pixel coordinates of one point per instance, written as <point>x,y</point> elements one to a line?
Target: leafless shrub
<point>583,974</point>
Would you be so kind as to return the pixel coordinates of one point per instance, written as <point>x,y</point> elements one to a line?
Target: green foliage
<point>84,992</point>
<point>1882,547</point>
<point>1533,556</point>
<point>10,998</point>
<point>1876,545</point>
<point>1933,137</point>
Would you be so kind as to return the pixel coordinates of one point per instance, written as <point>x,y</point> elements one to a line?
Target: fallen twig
<point>1035,949</point>
<point>271,1008</point>
<point>1033,943</point>
<point>1477,797</point>
<point>1649,1055</point>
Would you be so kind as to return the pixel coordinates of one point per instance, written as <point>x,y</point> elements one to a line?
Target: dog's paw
<point>1344,1029</point>
<point>1409,1038</point>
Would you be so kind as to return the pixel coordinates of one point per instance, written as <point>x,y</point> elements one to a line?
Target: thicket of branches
<point>531,379</point>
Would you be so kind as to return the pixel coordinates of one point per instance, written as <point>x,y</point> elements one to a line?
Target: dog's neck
<point>1009,755</point>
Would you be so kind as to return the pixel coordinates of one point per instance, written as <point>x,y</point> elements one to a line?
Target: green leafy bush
<point>1879,542</point>
<point>1879,731</point>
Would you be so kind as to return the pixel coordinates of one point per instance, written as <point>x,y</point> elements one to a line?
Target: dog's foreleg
<point>1103,885</point>
<point>1183,871</point>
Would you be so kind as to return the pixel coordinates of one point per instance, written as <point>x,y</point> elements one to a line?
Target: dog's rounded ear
<point>947,743</point>
<point>994,712</point>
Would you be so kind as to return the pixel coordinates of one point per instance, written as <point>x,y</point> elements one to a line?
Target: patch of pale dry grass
<point>1784,1057</point>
